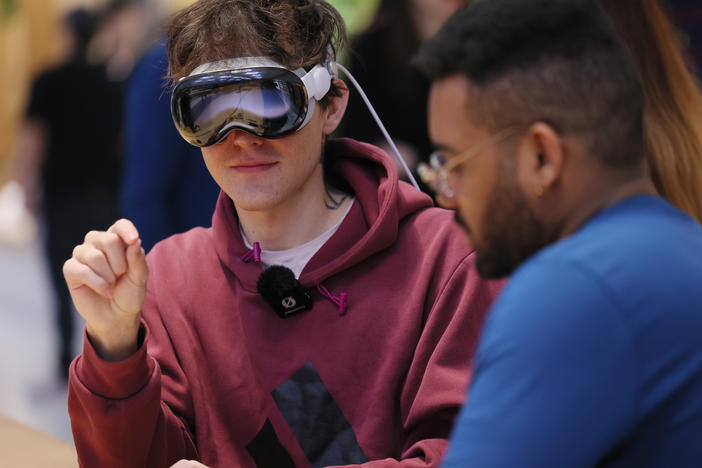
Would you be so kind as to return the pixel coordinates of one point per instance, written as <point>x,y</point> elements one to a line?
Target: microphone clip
<point>278,286</point>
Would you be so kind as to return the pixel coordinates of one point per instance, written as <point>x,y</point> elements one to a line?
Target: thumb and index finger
<point>126,230</point>
<point>137,271</point>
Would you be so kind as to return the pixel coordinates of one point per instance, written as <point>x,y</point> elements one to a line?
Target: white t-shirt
<point>297,257</point>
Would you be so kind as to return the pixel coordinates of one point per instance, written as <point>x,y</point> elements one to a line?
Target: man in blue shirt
<point>592,356</point>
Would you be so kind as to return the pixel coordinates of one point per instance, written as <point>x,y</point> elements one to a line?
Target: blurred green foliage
<point>7,8</point>
<point>356,13</point>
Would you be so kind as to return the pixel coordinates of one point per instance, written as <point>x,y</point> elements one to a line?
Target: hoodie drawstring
<point>254,253</point>
<point>339,301</point>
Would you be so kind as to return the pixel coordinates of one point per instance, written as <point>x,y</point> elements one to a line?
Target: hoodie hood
<point>382,202</point>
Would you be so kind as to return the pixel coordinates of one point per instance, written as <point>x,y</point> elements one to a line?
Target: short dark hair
<point>555,61</point>
<point>294,33</point>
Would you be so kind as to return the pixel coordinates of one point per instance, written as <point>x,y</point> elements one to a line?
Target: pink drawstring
<point>339,301</point>
<point>255,253</point>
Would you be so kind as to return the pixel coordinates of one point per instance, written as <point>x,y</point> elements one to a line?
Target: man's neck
<point>308,214</point>
<point>607,195</point>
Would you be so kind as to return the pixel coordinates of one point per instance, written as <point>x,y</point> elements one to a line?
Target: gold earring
<point>540,190</point>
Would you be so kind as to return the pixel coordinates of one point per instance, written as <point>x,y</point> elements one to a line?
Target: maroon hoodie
<point>221,378</point>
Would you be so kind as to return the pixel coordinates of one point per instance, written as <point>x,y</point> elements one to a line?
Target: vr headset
<point>254,94</point>
<point>257,95</point>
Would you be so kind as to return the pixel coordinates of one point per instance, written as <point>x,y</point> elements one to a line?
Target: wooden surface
<point>23,447</point>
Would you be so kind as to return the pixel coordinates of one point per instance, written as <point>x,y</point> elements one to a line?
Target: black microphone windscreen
<point>278,286</point>
<point>275,281</point>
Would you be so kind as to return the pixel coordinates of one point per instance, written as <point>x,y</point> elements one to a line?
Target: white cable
<point>380,124</point>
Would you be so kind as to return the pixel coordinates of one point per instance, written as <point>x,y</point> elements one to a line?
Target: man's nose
<point>241,138</point>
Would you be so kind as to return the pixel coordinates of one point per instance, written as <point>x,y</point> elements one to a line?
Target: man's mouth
<point>254,166</point>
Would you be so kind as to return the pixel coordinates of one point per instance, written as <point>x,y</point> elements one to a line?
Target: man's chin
<point>493,266</point>
<point>254,200</point>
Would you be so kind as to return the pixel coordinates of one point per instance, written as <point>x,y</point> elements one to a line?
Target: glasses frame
<point>436,173</point>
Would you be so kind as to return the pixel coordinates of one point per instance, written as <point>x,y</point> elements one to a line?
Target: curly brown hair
<point>294,33</point>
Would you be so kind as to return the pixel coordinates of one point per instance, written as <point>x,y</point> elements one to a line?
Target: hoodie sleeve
<point>435,387</point>
<point>131,413</point>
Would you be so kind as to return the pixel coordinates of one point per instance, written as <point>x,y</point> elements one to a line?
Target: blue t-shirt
<point>592,355</point>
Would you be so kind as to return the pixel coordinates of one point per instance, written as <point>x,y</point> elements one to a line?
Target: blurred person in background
<point>380,60</point>
<point>126,31</point>
<point>70,147</point>
<point>166,188</point>
<point>591,356</point>
<point>673,112</point>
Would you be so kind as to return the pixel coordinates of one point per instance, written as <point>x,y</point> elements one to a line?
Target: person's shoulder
<point>627,269</point>
<point>183,248</point>
<point>558,279</point>
<point>643,239</point>
<point>437,225</point>
<point>554,301</point>
<point>182,264</point>
<point>52,77</point>
<point>635,223</point>
<point>433,236</point>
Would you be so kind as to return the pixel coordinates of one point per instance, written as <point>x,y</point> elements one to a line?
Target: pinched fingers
<point>104,257</point>
<point>78,274</point>
<point>138,271</point>
<point>126,230</point>
<point>109,245</point>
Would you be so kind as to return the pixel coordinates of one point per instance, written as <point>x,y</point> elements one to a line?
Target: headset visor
<point>267,102</point>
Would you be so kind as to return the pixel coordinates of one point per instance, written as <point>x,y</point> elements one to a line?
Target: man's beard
<point>460,221</point>
<point>511,232</point>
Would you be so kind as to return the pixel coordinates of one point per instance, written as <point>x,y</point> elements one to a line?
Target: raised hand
<point>106,277</point>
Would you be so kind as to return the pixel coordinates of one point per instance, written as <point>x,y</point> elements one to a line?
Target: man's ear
<point>334,111</point>
<point>540,159</point>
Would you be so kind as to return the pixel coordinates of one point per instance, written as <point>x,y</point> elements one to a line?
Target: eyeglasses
<point>436,173</point>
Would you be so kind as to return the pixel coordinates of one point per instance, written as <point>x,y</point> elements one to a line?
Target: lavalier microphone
<point>278,286</point>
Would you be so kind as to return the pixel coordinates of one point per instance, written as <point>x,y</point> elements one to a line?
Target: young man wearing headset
<point>358,353</point>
